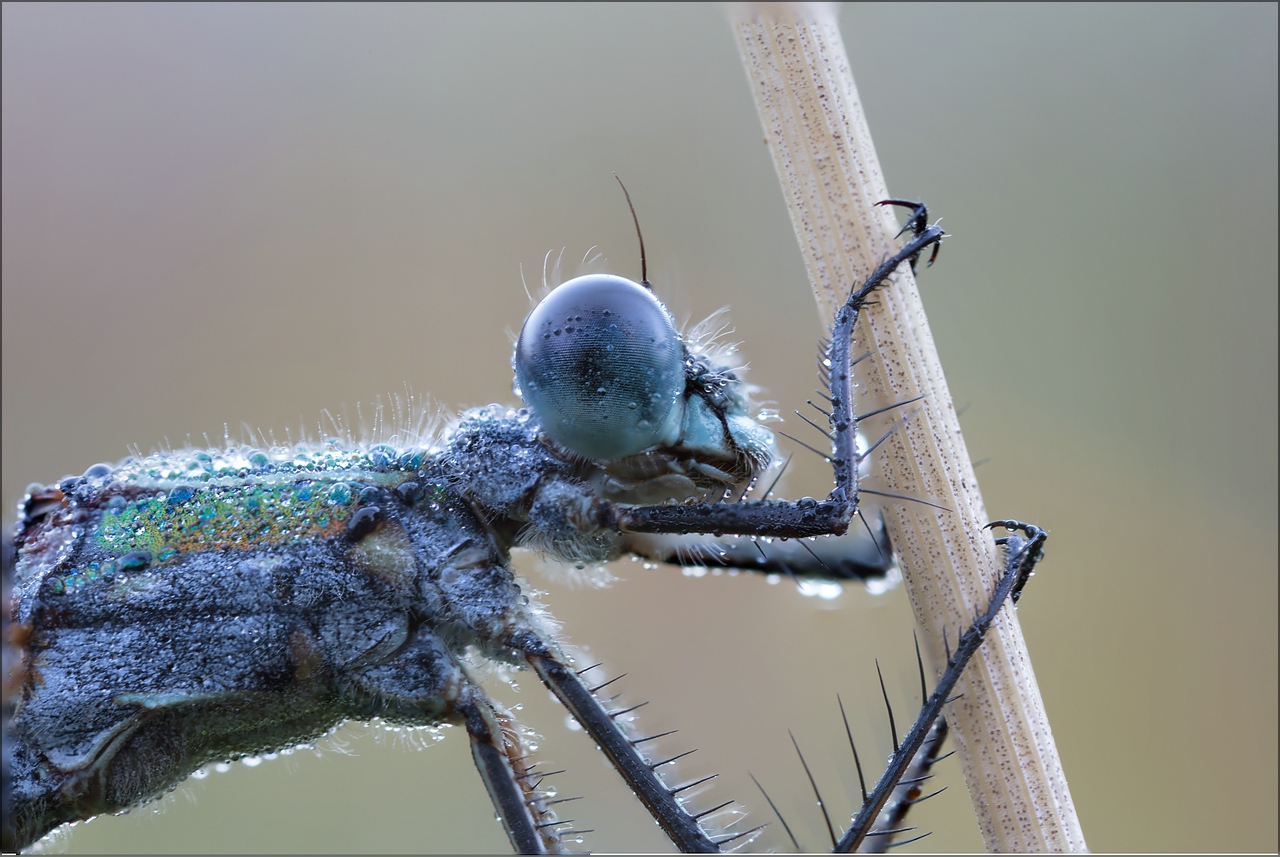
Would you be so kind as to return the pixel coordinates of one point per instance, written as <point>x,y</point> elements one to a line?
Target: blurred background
<point>226,214</point>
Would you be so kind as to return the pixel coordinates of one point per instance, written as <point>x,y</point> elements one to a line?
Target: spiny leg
<point>908,792</point>
<point>805,517</point>
<point>497,752</point>
<point>681,827</point>
<point>1021,558</point>
<point>877,821</point>
<point>786,520</point>
<point>839,357</point>
<point>862,553</point>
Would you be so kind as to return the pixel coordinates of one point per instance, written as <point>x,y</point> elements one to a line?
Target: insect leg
<point>498,757</point>
<point>907,794</point>
<point>423,682</point>
<point>1021,558</point>
<point>681,827</point>
<point>801,518</point>
<point>860,554</point>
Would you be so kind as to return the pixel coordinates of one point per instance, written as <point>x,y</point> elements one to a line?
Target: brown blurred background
<point>250,213</point>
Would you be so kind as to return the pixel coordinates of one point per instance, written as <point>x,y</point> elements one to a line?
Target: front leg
<point>807,517</point>
<point>862,553</point>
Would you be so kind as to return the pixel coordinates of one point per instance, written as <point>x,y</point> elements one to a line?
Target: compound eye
<point>602,368</point>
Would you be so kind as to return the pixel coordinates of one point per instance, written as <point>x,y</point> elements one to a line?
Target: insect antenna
<point>644,267</point>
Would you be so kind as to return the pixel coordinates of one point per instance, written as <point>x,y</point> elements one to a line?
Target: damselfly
<point>189,607</point>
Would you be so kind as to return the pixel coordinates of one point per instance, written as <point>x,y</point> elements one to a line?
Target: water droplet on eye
<point>587,411</point>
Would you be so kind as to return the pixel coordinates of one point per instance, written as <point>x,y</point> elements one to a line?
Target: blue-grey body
<point>141,669</point>
<point>197,606</point>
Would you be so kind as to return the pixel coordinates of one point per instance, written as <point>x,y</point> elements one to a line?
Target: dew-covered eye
<point>602,368</point>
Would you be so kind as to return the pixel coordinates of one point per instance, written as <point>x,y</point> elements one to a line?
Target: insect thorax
<point>203,605</point>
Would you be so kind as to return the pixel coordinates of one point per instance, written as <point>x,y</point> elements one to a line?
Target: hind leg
<point>424,684</point>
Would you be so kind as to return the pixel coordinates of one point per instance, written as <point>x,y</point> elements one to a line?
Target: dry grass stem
<point>818,136</point>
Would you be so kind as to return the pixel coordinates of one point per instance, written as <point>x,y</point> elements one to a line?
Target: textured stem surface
<point>831,179</point>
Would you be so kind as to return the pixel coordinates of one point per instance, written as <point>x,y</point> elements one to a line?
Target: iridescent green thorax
<point>220,518</point>
<point>164,505</point>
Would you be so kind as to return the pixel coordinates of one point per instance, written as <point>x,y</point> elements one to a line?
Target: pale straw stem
<point>822,149</point>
